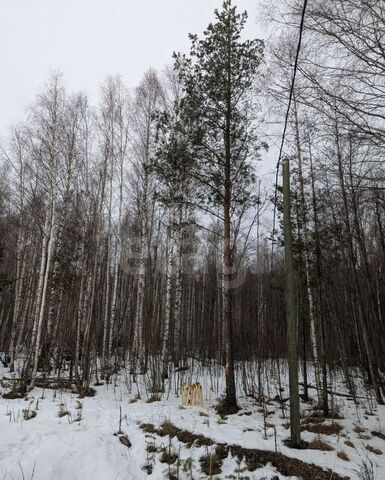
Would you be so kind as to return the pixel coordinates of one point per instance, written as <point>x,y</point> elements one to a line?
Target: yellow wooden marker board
<point>192,395</point>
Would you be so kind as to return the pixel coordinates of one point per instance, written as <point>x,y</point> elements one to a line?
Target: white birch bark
<point>138,348</point>
<point>106,352</point>
<point>20,272</point>
<point>178,283</point>
<point>312,315</point>
<point>168,307</point>
<point>50,247</point>
<point>40,285</point>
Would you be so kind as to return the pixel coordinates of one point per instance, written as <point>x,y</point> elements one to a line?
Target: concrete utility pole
<point>295,428</point>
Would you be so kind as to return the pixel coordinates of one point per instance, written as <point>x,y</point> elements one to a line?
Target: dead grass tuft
<point>168,457</point>
<point>148,427</point>
<point>312,419</point>
<point>211,464</point>
<point>223,409</point>
<point>343,456</point>
<point>324,429</point>
<point>155,397</point>
<point>168,428</point>
<point>378,434</point>
<point>318,444</point>
<point>189,439</point>
<point>151,448</point>
<point>358,429</point>
<point>29,414</point>
<point>18,390</point>
<point>371,449</point>
<point>87,392</point>
<point>124,440</point>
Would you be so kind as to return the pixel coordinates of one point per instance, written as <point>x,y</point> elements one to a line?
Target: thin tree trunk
<point>295,428</point>
<point>50,247</point>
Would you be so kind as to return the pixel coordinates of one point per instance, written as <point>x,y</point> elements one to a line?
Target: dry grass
<point>155,397</point>
<point>333,414</point>
<point>318,444</point>
<point>343,456</point>
<point>86,392</point>
<point>211,464</point>
<point>358,429</point>
<point>371,449</point>
<point>148,427</point>
<point>18,390</point>
<point>312,419</point>
<point>223,409</point>
<point>253,458</point>
<point>364,436</point>
<point>378,434</point>
<point>124,440</point>
<point>287,466</point>
<point>322,428</point>
<point>168,428</point>
<point>29,414</point>
<point>168,457</point>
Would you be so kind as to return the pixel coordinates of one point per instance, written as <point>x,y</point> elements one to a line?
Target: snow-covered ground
<point>81,445</point>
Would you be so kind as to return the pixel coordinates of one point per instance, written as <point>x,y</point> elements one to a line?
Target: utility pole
<point>295,429</point>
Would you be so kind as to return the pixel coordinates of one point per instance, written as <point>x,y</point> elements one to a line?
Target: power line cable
<point>301,28</point>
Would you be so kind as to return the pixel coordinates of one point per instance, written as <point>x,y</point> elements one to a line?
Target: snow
<point>82,444</point>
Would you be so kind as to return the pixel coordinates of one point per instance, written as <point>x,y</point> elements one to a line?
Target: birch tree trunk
<point>145,105</point>
<point>312,316</point>
<point>138,346</point>
<point>106,343</point>
<point>50,234</point>
<point>40,285</point>
<point>168,307</point>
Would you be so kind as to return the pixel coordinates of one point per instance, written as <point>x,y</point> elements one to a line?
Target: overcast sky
<point>89,39</point>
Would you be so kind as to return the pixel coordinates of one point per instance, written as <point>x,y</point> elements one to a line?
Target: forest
<point>142,251</point>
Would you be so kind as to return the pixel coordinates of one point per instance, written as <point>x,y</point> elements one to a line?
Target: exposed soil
<point>254,458</point>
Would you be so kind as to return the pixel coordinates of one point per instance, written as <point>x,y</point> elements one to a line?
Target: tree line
<point>136,232</point>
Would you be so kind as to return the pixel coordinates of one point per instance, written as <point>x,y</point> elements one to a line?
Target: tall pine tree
<point>219,104</point>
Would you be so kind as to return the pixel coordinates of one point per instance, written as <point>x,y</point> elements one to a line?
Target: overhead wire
<point>301,29</point>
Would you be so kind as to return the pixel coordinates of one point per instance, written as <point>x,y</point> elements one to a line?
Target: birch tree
<point>47,120</point>
<point>146,103</point>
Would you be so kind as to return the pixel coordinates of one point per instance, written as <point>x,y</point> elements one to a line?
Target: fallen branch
<point>337,394</point>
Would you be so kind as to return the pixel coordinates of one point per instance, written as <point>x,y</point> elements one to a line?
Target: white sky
<point>87,40</point>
